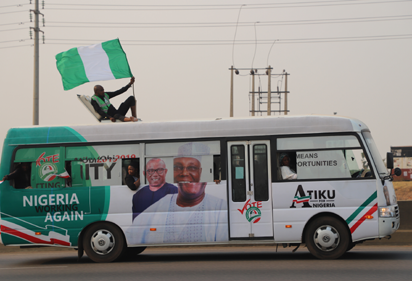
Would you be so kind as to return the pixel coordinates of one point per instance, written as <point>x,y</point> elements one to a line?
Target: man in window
<point>287,172</point>
<point>21,176</point>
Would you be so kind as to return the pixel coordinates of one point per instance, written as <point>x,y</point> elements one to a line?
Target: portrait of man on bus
<point>155,173</point>
<point>187,215</point>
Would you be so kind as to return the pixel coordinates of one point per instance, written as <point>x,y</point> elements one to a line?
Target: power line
<point>13,29</point>
<point>231,24</point>
<point>236,6</point>
<point>15,5</point>
<point>13,12</point>
<point>238,42</point>
<point>20,40</point>
<point>18,23</point>
<point>15,46</point>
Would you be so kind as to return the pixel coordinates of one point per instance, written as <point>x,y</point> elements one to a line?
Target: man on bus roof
<point>101,104</point>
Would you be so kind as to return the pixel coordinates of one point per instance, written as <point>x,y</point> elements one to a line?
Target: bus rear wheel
<point>327,238</point>
<point>103,242</point>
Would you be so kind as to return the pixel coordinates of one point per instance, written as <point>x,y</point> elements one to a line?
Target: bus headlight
<point>387,212</point>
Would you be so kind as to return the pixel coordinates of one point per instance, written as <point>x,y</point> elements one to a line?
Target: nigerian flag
<point>104,61</point>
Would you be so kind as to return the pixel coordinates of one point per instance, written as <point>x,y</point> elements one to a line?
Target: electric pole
<point>36,30</point>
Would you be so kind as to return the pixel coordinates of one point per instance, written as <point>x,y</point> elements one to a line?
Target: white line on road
<point>37,267</point>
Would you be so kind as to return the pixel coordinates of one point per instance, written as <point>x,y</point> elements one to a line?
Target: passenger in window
<point>21,176</point>
<point>132,178</point>
<point>67,178</point>
<point>287,172</point>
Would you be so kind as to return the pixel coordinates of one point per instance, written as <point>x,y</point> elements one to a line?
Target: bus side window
<point>77,173</point>
<point>134,163</point>
<point>217,171</point>
<point>287,166</point>
<point>20,177</point>
<point>68,170</point>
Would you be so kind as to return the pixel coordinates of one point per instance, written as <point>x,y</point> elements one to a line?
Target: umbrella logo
<point>47,171</point>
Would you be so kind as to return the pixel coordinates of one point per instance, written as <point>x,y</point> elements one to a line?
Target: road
<point>213,263</point>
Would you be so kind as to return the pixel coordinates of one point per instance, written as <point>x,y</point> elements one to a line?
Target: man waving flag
<point>104,61</point>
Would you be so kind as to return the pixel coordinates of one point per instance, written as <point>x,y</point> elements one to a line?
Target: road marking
<point>37,267</point>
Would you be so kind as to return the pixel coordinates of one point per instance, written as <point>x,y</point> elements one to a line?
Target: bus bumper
<point>388,225</point>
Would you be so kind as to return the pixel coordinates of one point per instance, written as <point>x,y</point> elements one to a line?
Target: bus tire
<point>327,238</point>
<point>351,246</point>
<point>131,252</point>
<point>103,242</point>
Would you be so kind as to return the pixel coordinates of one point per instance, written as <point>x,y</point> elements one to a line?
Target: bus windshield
<point>382,170</point>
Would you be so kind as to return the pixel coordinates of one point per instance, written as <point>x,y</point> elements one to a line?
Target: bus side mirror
<point>398,172</point>
<point>389,160</point>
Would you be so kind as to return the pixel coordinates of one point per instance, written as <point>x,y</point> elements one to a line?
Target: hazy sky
<point>349,57</point>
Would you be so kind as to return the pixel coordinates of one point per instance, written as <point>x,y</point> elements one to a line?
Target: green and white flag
<point>104,61</point>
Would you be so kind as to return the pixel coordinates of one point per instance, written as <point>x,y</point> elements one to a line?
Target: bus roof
<point>220,127</point>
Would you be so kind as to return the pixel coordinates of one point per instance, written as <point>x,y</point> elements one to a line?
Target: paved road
<point>213,263</point>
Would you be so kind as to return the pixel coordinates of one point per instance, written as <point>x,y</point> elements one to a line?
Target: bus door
<point>250,194</point>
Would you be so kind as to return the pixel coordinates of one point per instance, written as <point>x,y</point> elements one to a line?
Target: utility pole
<point>231,91</point>
<point>268,72</point>
<point>286,93</point>
<point>253,91</point>
<point>260,95</point>
<point>36,63</point>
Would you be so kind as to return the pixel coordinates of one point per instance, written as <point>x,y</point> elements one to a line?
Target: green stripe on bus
<point>366,203</point>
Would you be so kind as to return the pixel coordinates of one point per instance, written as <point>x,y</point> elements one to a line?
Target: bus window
<point>131,173</point>
<point>238,173</point>
<point>21,175</point>
<point>217,170</point>
<point>260,172</point>
<point>326,157</point>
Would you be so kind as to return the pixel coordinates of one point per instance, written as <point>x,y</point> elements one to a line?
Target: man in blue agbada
<point>158,188</point>
<point>101,104</point>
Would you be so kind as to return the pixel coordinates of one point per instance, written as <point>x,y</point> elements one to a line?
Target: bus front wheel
<point>327,238</point>
<point>103,242</point>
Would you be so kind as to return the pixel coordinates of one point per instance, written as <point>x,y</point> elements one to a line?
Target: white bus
<point>115,189</point>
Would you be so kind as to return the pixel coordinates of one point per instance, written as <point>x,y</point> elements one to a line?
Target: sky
<point>352,58</point>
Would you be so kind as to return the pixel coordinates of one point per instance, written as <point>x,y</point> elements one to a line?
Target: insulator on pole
<point>31,17</point>
<point>44,22</point>
<point>42,4</point>
<point>31,37</point>
<point>43,38</point>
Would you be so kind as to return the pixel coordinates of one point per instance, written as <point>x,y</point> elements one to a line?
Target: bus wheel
<point>327,238</point>
<point>103,242</point>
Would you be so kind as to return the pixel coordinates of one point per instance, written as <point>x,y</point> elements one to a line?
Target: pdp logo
<point>47,171</point>
<point>252,211</point>
<point>253,214</point>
